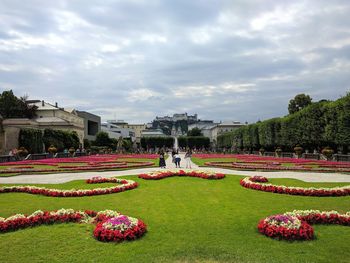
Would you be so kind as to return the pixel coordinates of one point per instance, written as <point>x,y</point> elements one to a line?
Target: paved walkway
<point>67,177</point>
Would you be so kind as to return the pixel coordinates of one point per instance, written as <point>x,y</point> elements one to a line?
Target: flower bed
<point>296,225</point>
<point>91,166</point>
<point>273,166</point>
<point>260,185</point>
<point>254,162</point>
<point>124,185</point>
<point>111,226</point>
<point>163,174</point>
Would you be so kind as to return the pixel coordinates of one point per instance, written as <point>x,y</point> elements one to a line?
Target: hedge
<point>324,123</point>
<point>194,142</point>
<point>157,142</point>
<point>60,139</point>
<point>31,139</point>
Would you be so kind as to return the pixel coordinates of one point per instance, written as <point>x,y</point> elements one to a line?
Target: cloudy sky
<point>225,60</point>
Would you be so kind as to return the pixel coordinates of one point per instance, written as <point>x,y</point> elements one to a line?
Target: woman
<point>177,160</point>
<point>161,160</point>
<point>188,156</point>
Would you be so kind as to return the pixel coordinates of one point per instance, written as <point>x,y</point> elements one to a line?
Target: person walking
<point>162,160</point>
<point>177,160</point>
<point>173,155</point>
<point>188,156</point>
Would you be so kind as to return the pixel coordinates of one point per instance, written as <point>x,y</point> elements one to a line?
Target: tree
<point>102,139</point>
<point>195,132</point>
<point>299,102</point>
<point>13,107</point>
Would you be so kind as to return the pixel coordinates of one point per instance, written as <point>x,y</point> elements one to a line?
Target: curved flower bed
<point>111,226</point>
<point>274,166</point>
<point>124,185</point>
<point>296,225</point>
<point>163,174</point>
<point>260,185</point>
<point>92,166</point>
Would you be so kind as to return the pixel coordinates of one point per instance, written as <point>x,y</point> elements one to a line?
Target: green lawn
<point>189,220</point>
<point>200,161</point>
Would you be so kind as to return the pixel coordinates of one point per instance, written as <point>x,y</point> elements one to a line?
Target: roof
<point>231,123</point>
<point>46,106</point>
<point>51,120</point>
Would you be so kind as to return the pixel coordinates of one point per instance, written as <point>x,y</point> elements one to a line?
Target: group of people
<point>176,159</point>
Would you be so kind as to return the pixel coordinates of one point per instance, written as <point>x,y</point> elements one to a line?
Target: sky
<point>134,60</point>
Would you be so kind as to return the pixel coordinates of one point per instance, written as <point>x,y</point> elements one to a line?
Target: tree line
<point>315,126</point>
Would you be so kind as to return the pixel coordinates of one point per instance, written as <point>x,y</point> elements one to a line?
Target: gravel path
<point>67,177</point>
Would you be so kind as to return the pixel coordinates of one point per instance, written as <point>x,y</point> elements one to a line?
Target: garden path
<point>67,177</point>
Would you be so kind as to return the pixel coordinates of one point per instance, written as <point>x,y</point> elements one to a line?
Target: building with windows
<point>137,128</point>
<point>115,130</point>
<point>92,124</point>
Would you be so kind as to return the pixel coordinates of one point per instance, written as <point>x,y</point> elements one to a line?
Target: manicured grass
<point>201,161</point>
<point>189,220</point>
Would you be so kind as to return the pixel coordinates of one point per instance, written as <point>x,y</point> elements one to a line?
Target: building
<point>54,117</point>
<point>48,116</point>
<point>178,117</point>
<point>137,128</point>
<point>115,130</point>
<point>202,124</point>
<point>224,127</point>
<point>92,124</point>
<point>153,133</point>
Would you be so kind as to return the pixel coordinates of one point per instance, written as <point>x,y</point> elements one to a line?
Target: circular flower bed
<point>111,226</point>
<point>163,174</point>
<point>119,228</point>
<point>296,225</point>
<point>259,183</point>
<point>124,185</point>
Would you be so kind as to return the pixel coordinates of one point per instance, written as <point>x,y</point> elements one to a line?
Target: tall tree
<point>13,107</point>
<point>194,132</point>
<point>299,102</point>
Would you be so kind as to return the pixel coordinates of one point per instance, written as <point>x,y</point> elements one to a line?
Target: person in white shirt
<point>188,156</point>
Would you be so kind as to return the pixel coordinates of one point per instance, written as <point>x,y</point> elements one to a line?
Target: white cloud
<point>142,94</point>
<point>211,90</point>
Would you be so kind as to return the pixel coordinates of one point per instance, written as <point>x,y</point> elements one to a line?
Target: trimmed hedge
<point>157,142</point>
<point>60,139</point>
<point>31,139</point>
<point>324,123</point>
<point>194,142</point>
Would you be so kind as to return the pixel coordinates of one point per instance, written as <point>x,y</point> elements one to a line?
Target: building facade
<point>92,124</point>
<point>115,130</point>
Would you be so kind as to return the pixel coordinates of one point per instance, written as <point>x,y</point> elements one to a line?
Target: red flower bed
<point>124,185</point>
<point>91,166</point>
<point>260,179</point>
<point>254,162</point>
<point>260,185</point>
<point>164,174</point>
<point>296,225</point>
<point>107,235</point>
<point>134,230</point>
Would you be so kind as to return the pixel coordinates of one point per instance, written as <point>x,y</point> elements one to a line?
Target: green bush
<point>60,139</point>
<point>157,142</point>
<point>194,142</point>
<point>31,139</point>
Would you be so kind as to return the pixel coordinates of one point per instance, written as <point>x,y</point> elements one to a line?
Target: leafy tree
<point>195,132</point>
<point>299,102</point>
<point>102,139</point>
<point>13,107</point>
